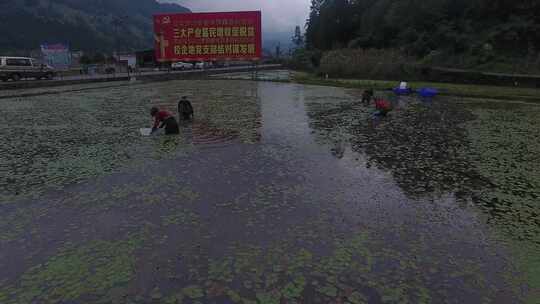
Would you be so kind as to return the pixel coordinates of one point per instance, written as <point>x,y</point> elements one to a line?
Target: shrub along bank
<point>451,89</point>
<point>390,64</point>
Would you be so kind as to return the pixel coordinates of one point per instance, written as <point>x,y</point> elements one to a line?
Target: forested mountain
<point>89,25</point>
<point>421,27</point>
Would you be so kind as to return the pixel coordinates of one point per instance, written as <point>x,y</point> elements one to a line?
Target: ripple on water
<point>302,198</point>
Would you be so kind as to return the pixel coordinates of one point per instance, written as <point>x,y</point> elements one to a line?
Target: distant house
<point>146,59</point>
<point>76,58</point>
<point>127,60</point>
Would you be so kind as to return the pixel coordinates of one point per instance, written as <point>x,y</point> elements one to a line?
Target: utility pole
<point>117,22</point>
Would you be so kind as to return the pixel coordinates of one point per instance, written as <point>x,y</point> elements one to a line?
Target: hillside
<point>456,33</point>
<point>89,25</point>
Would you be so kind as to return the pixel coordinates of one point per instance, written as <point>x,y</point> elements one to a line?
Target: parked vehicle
<point>199,66</point>
<point>17,68</point>
<point>221,64</point>
<point>110,70</point>
<point>182,66</point>
<point>204,65</point>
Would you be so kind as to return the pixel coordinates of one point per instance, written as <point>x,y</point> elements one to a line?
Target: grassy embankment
<point>461,90</point>
<point>501,160</point>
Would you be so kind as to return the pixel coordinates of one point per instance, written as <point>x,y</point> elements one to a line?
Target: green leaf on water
<point>328,290</point>
<point>175,299</point>
<point>268,297</point>
<point>234,296</point>
<point>294,289</point>
<point>357,298</point>
<point>193,292</point>
<point>156,294</point>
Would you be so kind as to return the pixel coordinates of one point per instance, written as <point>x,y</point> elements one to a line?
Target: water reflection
<point>307,203</point>
<point>85,134</point>
<point>471,149</point>
<point>418,145</point>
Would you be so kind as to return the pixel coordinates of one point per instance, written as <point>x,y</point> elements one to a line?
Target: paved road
<point>30,83</point>
<point>162,72</point>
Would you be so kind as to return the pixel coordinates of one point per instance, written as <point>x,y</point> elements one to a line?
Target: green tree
<point>85,59</point>
<point>298,38</point>
<point>420,27</point>
<point>99,58</point>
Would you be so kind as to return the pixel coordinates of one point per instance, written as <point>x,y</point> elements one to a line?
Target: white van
<point>16,68</point>
<point>182,66</point>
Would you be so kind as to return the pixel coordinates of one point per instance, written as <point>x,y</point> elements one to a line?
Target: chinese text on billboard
<point>208,36</point>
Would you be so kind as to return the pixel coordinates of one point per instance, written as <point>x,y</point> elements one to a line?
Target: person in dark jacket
<point>367,96</point>
<point>185,109</point>
<point>164,119</point>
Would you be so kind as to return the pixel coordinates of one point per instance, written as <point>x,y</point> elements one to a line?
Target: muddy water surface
<point>277,193</point>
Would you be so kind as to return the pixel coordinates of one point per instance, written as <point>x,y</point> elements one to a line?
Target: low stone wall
<point>32,84</point>
<point>164,76</point>
<point>473,77</point>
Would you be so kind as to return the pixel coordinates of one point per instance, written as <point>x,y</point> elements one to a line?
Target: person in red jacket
<point>382,106</point>
<point>164,119</point>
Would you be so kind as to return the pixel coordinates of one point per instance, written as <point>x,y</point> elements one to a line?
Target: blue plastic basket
<point>400,91</point>
<point>428,92</point>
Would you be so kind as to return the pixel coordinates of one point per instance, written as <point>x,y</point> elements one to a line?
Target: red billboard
<point>208,36</point>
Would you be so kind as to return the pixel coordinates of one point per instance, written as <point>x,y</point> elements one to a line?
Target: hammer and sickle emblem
<point>166,20</point>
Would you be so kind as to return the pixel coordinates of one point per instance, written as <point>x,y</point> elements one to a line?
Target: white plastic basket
<point>145,131</point>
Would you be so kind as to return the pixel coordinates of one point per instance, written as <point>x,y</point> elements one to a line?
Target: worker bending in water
<point>164,119</point>
<point>185,109</point>
<point>382,107</point>
<point>367,96</point>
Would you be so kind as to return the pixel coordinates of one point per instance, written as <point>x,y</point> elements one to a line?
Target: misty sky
<point>278,15</point>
